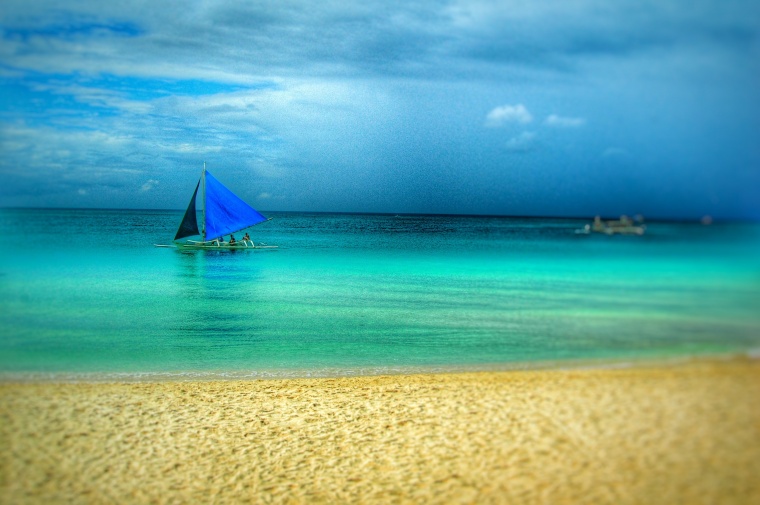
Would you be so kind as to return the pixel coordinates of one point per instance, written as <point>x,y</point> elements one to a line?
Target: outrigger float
<point>224,213</point>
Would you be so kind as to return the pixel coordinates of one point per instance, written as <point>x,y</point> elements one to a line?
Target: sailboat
<point>224,213</point>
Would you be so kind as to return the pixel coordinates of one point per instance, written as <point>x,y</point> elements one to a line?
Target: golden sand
<point>668,434</point>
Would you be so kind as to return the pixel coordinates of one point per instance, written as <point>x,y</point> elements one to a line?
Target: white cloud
<point>564,122</point>
<point>508,114</point>
<point>264,196</point>
<point>150,184</point>
<point>95,97</point>
<point>267,170</point>
<point>82,191</point>
<point>521,143</point>
<point>187,148</point>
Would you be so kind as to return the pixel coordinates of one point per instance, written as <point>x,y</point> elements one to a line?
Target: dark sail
<point>189,225</point>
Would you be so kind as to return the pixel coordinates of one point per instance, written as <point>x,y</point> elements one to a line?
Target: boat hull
<point>219,246</point>
<point>226,247</point>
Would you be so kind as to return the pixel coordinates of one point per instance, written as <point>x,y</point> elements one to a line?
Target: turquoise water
<point>86,292</point>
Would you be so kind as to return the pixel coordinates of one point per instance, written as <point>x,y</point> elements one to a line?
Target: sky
<point>530,108</point>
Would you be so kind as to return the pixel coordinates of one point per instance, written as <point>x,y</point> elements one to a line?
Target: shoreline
<point>679,433</point>
<point>604,363</point>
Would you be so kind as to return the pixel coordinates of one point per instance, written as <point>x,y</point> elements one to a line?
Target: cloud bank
<point>378,106</point>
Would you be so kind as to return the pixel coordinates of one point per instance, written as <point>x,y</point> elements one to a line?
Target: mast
<point>203,196</point>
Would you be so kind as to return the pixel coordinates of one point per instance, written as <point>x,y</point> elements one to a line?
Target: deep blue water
<point>86,292</point>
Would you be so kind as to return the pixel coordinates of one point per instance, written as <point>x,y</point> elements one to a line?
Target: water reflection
<point>217,297</point>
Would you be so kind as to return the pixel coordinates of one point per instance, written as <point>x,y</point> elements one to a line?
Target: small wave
<point>335,372</point>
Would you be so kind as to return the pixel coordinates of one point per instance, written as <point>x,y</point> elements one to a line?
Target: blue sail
<point>225,212</point>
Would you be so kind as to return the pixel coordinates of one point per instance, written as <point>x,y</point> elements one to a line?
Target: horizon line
<point>421,214</point>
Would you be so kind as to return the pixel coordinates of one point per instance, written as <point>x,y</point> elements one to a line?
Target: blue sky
<point>570,108</point>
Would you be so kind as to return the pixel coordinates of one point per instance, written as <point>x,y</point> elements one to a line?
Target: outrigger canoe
<point>224,213</point>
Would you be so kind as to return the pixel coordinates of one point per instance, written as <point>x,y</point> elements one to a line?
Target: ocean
<point>85,294</point>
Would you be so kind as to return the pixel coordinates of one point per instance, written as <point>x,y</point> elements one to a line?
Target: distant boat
<point>622,226</point>
<point>224,213</point>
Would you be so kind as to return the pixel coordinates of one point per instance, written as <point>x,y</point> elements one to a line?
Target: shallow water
<point>348,294</point>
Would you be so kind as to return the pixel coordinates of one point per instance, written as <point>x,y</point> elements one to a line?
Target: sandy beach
<point>685,433</point>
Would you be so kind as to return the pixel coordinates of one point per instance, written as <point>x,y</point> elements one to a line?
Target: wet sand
<point>687,433</point>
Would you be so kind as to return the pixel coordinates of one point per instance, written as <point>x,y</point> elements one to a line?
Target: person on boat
<point>232,239</point>
<point>246,238</point>
<point>598,225</point>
